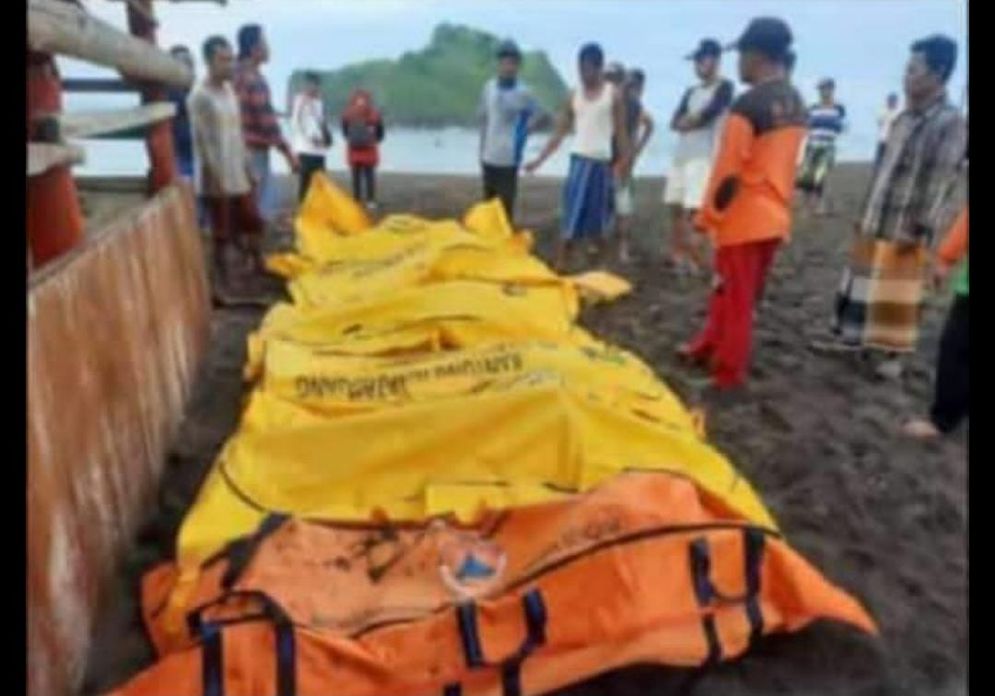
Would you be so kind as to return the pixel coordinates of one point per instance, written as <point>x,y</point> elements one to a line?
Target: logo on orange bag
<point>469,566</point>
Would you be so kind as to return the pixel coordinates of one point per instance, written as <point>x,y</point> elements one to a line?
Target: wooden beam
<point>44,156</point>
<point>88,125</point>
<point>66,29</point>
<point>89,85</point>
<point>223,3</point>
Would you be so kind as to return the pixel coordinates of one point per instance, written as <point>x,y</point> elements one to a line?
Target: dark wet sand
<point>817,435</point>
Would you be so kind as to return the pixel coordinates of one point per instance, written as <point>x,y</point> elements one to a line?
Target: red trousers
<point>726,339</point>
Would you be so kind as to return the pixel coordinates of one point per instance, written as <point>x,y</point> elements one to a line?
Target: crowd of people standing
<point>731,192</point>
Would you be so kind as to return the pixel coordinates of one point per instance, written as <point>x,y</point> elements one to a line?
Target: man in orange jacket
<point>747,206</point>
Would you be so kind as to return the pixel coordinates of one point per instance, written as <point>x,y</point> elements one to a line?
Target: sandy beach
<point>817,435</point>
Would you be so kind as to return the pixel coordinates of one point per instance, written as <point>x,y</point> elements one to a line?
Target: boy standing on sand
<point>747,205</point>
<point>885,120</point>
<point>222,174</point>
<point>507,110</point>
<point>636,118</point>
<point>826,121</point>
<point>595,113</point>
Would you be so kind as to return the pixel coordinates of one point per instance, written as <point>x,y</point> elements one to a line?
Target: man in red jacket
<point>746,210</point>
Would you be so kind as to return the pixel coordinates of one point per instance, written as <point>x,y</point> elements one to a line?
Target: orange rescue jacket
<point>954,246</point>
<point>748,198</point>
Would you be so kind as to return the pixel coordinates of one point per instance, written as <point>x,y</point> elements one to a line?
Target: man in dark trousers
<point>747,205</point>
<point>951,396</point>
<point>507,111</point>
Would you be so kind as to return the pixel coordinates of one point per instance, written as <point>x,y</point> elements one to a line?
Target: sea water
<point>425,151</point>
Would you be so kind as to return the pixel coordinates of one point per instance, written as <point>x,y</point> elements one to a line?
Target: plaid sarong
<point>879,300</point>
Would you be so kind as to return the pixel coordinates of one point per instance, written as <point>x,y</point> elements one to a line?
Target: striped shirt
<point>911,194</point>
<point>259,122</point>
<point>825,123</point>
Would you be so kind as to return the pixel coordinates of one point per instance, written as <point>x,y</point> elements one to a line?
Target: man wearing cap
<point>747,205</point>
<point>909,200</point>
<point>698,119</point>
<point>826,121</point>
<point>507,111</point>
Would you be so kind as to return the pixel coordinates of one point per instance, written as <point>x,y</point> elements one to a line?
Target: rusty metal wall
<point>116,331</point>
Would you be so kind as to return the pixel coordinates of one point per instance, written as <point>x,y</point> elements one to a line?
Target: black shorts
<point>502,182</point>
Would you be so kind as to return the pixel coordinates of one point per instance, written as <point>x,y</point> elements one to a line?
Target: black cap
<point>508,49</point>
<point>790,59</point>
<point>827,82</point>
<point>767,35</point>
<point>707,47</point>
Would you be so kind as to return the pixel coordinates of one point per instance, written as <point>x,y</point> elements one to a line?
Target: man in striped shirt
<point>826,121</point>
<point>259,122</point>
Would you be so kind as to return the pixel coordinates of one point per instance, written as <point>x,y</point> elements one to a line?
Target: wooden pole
<point>98,85</point>
<point>45,156</point>
<point>54,216</point>
<point>159,137</point>
<point>63,28</point>
<point>97,123</point>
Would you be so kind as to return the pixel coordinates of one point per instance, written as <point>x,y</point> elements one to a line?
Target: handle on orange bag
<point>535,623</point>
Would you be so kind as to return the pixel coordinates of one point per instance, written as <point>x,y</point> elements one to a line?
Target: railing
<point>117,326</point>
<point>63,27</point>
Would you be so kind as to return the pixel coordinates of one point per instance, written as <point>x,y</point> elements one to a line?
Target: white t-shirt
<point>700,142</point>
<point>306,117</point>
<point>594,123</point>
<point>505,113</point>
<point>216,121</point>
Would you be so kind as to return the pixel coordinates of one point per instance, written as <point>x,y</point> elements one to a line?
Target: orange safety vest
<point>644,568</point>
<point>748,198</point>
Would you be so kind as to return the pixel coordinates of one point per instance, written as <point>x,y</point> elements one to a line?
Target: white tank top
<point>594,124</point>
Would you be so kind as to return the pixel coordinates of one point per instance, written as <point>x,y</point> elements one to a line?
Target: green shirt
<point>960,280</point>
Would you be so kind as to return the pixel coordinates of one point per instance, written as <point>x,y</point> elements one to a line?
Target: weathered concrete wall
<point>116,331</point>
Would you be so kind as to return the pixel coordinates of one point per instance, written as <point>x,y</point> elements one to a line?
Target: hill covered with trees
<point>439,85</point>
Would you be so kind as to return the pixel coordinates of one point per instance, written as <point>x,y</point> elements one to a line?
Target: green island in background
<point>437,86</point>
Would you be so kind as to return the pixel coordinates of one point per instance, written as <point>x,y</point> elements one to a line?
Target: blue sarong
<point>588,199</point>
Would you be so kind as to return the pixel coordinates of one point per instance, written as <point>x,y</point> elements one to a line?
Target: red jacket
<point>364,156</point>
<point>360,109</point>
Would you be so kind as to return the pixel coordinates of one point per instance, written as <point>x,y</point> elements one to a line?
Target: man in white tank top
<point>596,115</point>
